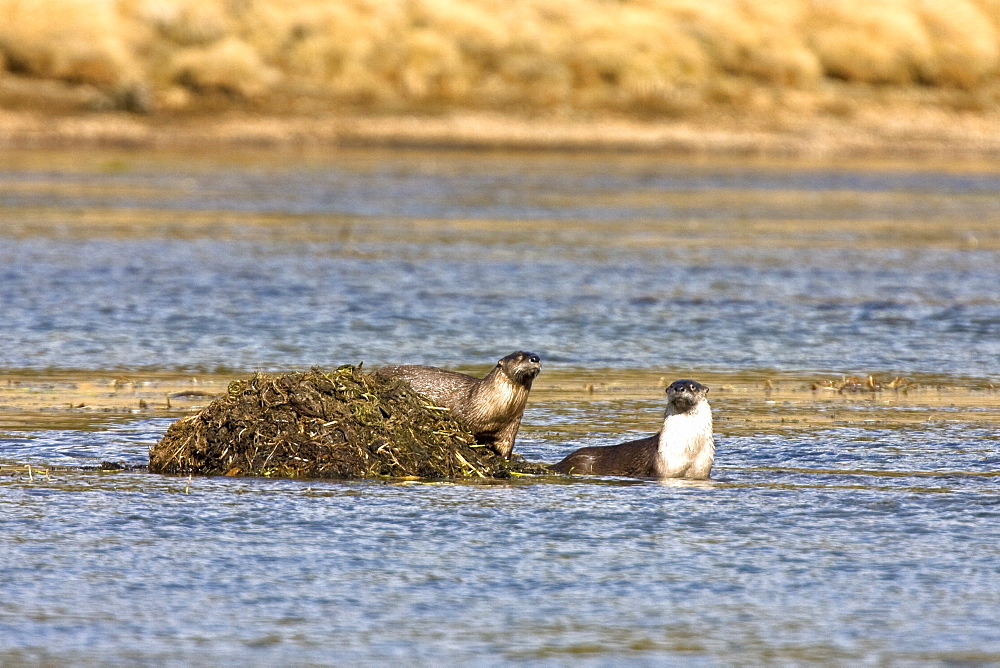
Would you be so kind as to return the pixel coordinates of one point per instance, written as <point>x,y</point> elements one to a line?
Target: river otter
<point>491,406</point>
<point>682,449</point>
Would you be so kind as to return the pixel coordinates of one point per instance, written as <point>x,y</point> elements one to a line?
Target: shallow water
<point>843,545</point>
<point>837,528</point>
<point>453,259</point>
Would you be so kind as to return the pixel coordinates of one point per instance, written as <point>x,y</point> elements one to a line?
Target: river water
<point>863,539</point>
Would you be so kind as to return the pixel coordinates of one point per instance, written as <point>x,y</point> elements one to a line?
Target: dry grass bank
<point>741,65</point>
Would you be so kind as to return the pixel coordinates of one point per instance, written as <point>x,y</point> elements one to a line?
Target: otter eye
<point>534,358</point>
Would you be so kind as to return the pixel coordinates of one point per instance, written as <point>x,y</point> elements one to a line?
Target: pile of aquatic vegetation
<point>343,424</point>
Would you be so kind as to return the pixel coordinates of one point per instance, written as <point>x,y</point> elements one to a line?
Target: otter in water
<point>682,449</point>
<point>491,406</point>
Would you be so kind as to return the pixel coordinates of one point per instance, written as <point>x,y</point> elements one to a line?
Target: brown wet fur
<point>342,424</point>
<point>492,406</point>
<point>639,457</point>
<point>633,458</point>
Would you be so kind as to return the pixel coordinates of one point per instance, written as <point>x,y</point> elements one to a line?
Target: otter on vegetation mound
<point>343,424</point>
<point>492,407</point>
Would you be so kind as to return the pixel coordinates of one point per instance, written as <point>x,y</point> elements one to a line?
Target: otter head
<point>521,367</point>
<point>684,395</point>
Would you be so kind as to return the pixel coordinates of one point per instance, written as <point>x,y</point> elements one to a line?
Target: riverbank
<point>845,80</point>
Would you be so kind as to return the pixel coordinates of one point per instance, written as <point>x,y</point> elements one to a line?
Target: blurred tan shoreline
<point>927,133</point>
<point>838,79</point>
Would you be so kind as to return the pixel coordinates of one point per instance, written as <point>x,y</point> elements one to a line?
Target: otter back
<point>633,458</point>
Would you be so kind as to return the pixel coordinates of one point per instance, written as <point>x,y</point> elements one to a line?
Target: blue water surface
<point>458,259</point>
<point>850,544</point>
